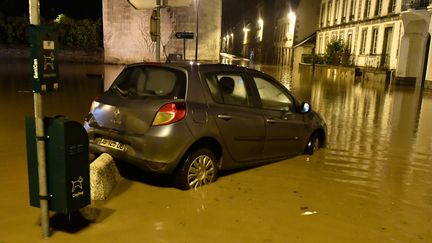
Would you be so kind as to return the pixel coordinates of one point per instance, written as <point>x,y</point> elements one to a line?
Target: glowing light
<point>260,23</point>
<point>292,16</point>
<point>260,29</point>
<point>59,18</point>
<point>245,36</point>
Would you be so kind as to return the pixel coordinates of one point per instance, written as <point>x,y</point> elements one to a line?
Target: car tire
<point>198,169</point>
<point>313,144</point>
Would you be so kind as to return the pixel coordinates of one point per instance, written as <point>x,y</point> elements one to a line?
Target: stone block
<point>104,176</point>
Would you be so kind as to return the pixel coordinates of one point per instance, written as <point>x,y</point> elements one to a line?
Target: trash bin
<point>67,163</point>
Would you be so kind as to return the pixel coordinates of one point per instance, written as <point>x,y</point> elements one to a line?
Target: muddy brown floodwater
<point>371,184</point>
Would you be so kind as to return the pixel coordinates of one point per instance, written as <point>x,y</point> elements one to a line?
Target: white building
<point>385,34</point>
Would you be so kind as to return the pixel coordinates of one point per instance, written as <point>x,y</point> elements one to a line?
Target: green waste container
<point>67,163</point>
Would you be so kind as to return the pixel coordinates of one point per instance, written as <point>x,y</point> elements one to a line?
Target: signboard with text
<point>184,35</point>
<point>44,46</point>
<point>143,4</point>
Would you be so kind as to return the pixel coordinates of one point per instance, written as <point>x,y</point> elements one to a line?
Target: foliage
<point>13,30</point>
<point>334,52</point>
<point>84,33</point>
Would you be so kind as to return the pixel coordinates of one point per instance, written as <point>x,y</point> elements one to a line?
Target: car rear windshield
<point>148,81</point>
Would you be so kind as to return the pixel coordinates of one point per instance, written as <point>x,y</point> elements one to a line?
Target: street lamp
<point>196,40</point>
<point>292,20</point>
<point>291,28</point>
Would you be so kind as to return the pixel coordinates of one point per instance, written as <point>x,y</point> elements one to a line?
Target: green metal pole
<point>158,33</point>
<point>40,134</point>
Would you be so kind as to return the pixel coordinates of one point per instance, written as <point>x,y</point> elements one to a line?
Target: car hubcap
<point>201,171</point>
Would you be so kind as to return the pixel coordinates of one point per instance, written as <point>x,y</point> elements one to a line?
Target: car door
<point>285,126</point>
<point>241,125</point>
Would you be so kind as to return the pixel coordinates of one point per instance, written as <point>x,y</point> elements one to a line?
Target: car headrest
<point>227,84</point>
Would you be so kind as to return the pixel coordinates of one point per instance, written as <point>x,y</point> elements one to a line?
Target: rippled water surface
<point>371,184</point>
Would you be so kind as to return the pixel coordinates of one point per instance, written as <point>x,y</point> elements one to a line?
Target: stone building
<point>381,34</point>
<point>127,38</point>
<point>295,22</point>
<point>269,30</point>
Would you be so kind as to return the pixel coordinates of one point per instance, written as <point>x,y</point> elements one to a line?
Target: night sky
<point>77,9</point>
<point>80,9</point>
<point>232,10</point>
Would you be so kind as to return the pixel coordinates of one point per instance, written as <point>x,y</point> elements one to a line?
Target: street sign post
<point>184,35</point>
<point>155,18</point>
<point>44,43</point>
<point>143,4</point>
<point>40,137</point>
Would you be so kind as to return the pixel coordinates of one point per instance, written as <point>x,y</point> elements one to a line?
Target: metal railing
<point>377,61</point>
<point>415,4</point>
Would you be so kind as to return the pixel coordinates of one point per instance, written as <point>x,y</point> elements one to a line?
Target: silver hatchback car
<point>193,120</point>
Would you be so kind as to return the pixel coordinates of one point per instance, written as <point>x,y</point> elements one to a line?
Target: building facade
<point>381,34</point>
<point>270,29</point>
<point>127,31</point>
<point>251,36</point>
<point>295,22</point>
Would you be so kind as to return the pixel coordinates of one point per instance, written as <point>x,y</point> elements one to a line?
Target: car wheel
<point>313,144</point>
<point>198,169</point>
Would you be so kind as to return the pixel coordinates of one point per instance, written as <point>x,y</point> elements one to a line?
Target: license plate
<point>111,144</point>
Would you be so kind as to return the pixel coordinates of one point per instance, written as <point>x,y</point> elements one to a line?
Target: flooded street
<point>371,184</point>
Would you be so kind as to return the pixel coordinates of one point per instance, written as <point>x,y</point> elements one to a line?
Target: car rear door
<point>285,126</point>
<point>241,125</point>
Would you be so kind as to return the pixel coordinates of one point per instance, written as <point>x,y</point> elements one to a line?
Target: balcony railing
<point>377,61</point>
<point>415,4</point>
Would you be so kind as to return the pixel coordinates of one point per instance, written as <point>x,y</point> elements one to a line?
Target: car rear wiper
<point>120,91</point>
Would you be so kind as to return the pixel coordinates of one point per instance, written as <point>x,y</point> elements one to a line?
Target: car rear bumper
<point>159,150</point>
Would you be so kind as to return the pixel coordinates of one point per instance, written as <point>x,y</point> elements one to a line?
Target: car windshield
<point>145,81</point>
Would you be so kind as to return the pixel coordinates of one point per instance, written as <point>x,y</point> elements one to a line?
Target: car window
<point>145,81</point>
<point>228,89</point>
<point>272,96</point>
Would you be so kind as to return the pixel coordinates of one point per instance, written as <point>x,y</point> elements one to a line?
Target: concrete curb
<point>104,176</point>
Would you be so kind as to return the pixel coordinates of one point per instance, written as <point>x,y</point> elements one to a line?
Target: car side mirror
<point>305,107</point>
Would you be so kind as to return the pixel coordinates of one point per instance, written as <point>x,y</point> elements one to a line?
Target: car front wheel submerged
<point>198,169</point>
<point>313,144</point>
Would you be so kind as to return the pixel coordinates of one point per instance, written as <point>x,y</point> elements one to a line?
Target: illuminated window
<point>352,10</point>
<point>245,35</point>
<point>363,42</point>
<point>260,30</point>
<point>374,40</point>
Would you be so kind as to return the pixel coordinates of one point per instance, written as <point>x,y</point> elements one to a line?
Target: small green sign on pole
<point>44,46</point>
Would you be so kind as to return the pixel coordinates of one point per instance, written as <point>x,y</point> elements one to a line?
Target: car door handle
<point>270,120</point>
<point>224,117</point>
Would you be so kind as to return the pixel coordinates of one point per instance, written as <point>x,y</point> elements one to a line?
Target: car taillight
<point>170,113</point>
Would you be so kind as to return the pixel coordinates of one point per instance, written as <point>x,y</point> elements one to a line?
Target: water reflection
<point>373,177</point>
<point>379,135</point>
<point>79,85</point>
